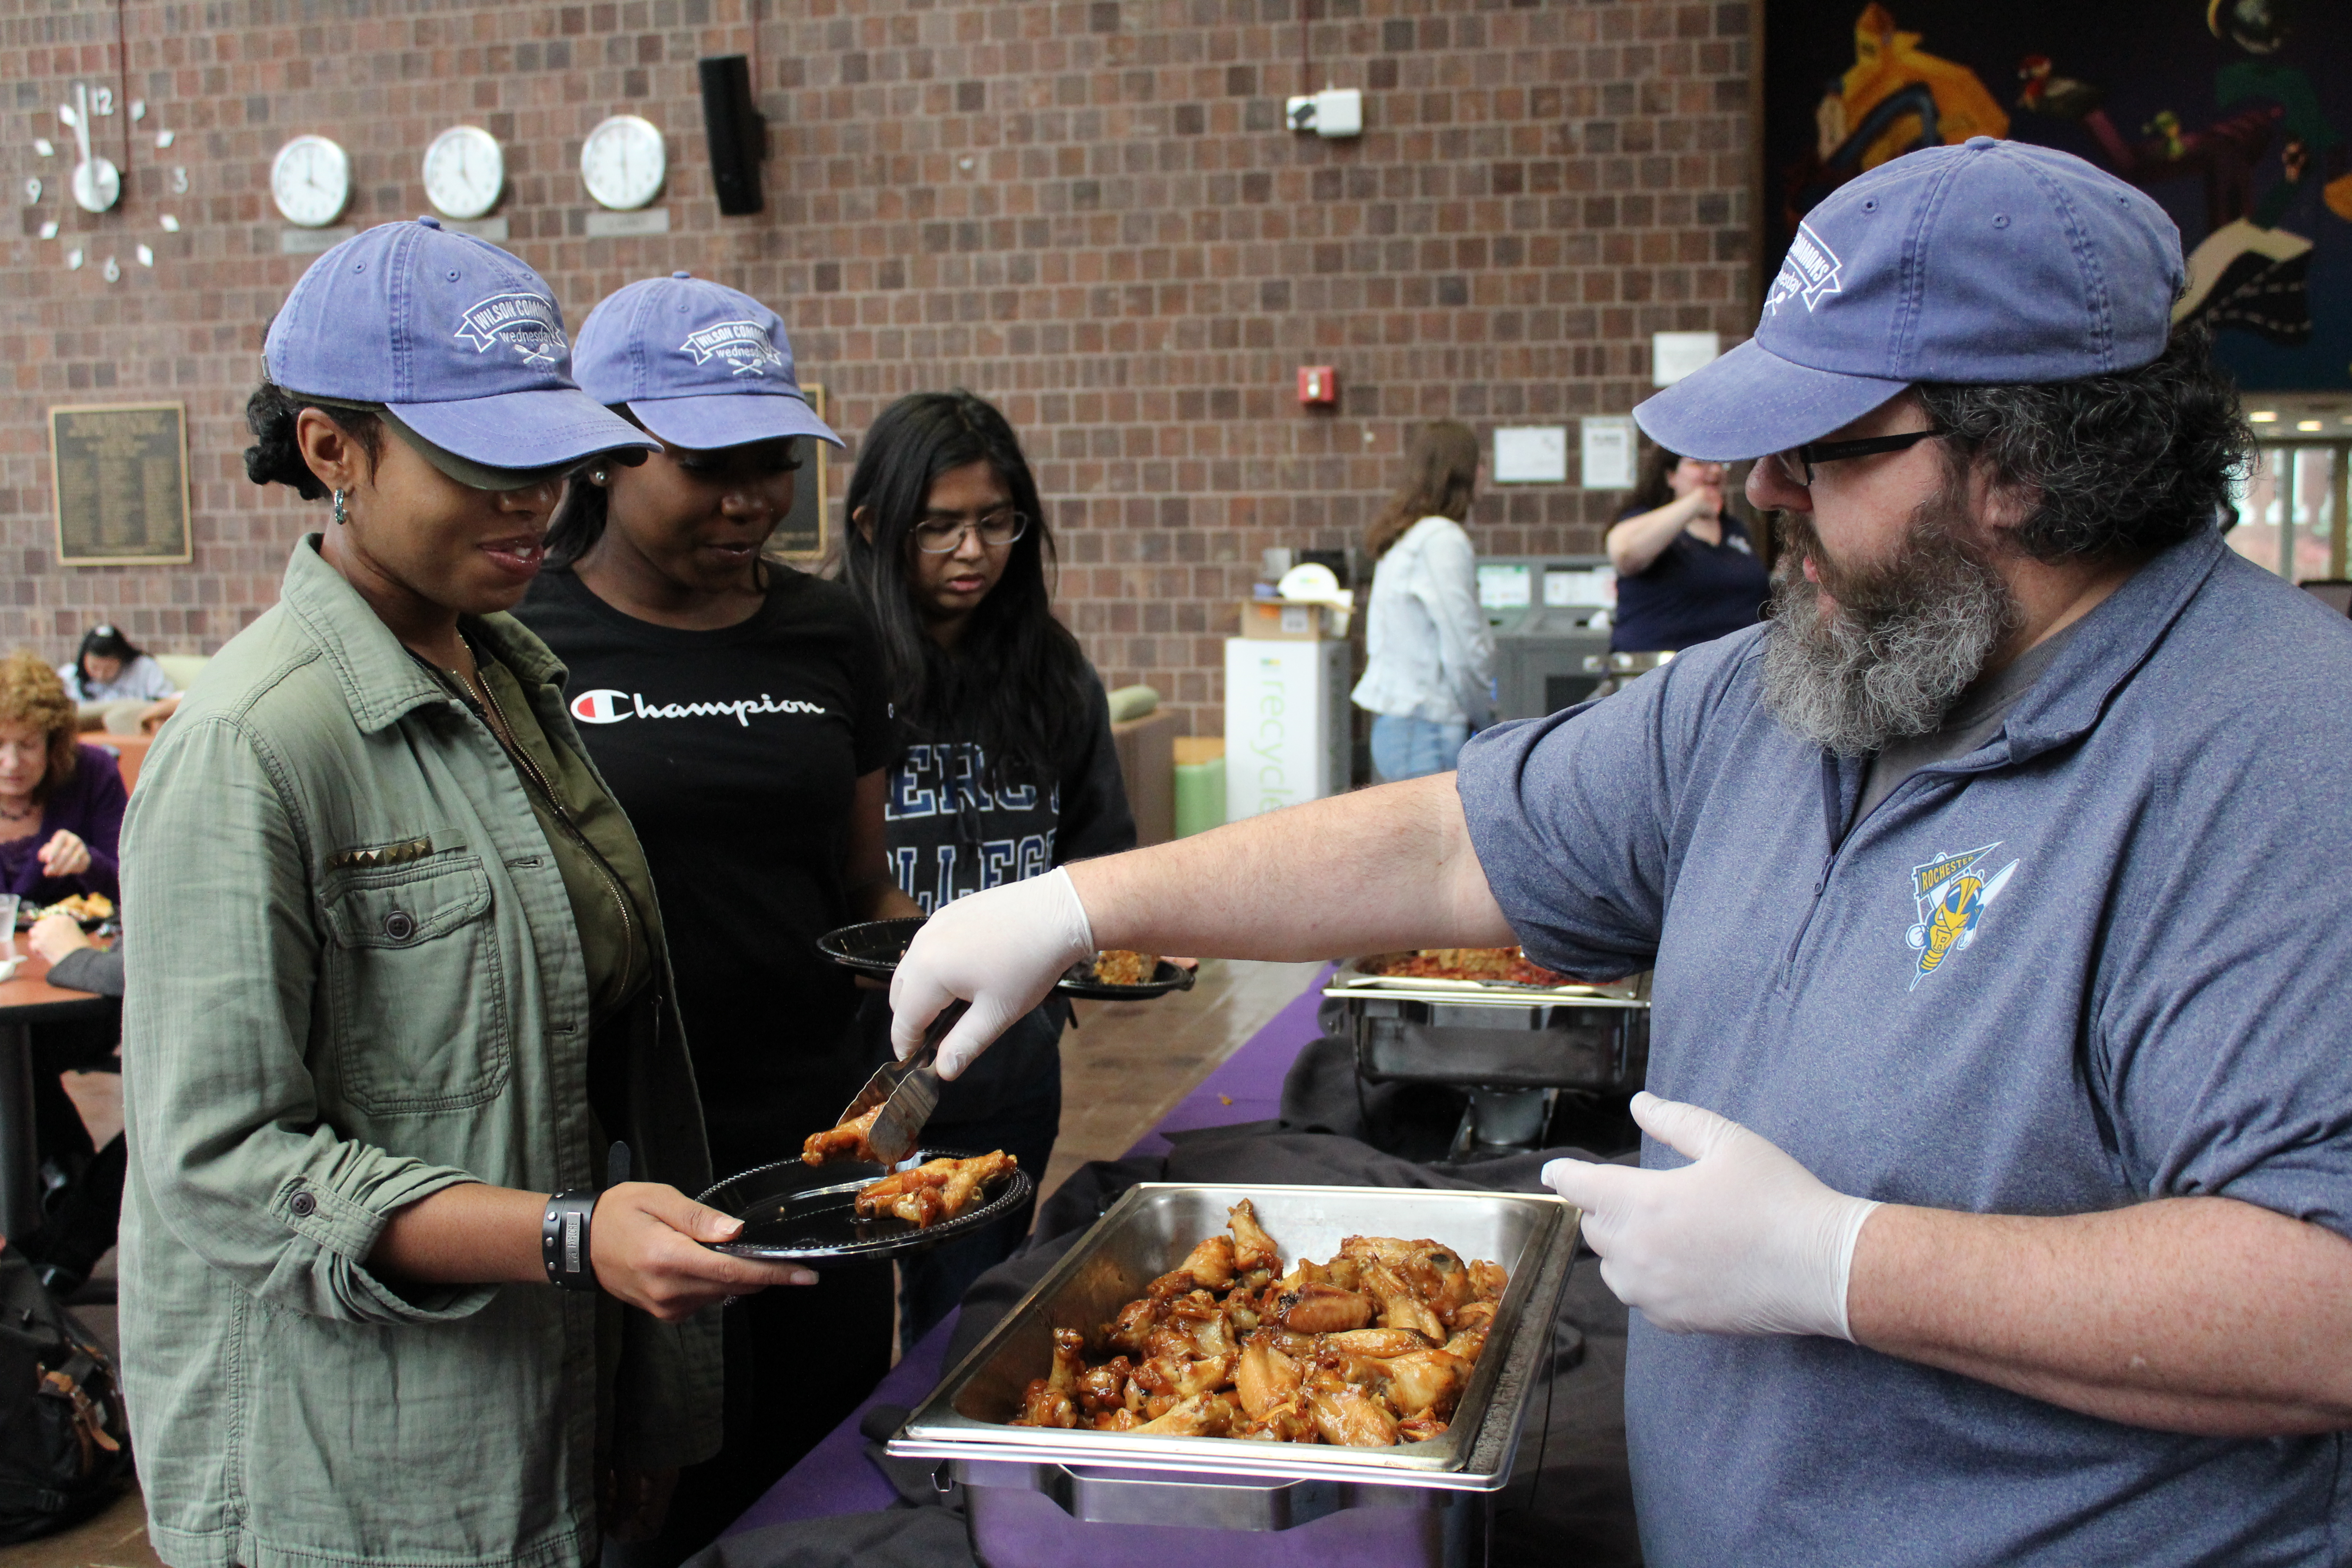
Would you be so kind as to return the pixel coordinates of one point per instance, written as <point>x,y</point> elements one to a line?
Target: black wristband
<point>563,1240</point>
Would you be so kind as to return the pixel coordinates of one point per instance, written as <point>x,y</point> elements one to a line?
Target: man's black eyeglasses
<point>1797,466</point>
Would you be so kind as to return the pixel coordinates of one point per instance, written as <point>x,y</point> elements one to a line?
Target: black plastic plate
<point>798,1213</point>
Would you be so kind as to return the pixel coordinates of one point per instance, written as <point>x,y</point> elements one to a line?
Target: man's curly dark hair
<point>2124,464</point>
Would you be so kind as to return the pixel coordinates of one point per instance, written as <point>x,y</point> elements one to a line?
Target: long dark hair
<point>107,642</point>
<point>1016,682</point>
<point>1658,469</point>
<point>1440,477</point>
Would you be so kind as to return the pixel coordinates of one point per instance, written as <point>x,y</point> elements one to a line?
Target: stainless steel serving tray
<point>1149,1230</point>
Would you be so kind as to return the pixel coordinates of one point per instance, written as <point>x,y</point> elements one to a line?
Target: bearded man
<point>1996,1198</point>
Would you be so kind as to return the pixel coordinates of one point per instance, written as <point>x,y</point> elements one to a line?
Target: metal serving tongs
<point>907,1091</point>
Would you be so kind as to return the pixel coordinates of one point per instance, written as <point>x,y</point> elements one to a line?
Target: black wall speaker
<point>736,131</point>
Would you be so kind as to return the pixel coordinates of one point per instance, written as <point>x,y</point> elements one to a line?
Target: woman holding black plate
<point>401,1028</point>
<point>737,706</point>
<point>1007,769</point>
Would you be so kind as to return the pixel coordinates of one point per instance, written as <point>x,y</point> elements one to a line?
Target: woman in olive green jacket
<point>398,978</point>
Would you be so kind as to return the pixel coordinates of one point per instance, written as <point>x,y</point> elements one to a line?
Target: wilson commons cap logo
<point>1810,272</point>
<point>742,344</point>
<point>528,323</point>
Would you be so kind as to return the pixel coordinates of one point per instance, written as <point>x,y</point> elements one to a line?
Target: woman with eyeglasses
<point>1007,768</point>
<point>1688,570</point>
<point>738,708</point>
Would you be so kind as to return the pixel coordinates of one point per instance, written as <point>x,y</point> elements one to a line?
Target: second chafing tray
<point>1579,1034</point>
<point>1147,1232</point>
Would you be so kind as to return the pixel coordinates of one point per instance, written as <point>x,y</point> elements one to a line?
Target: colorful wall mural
<point>2232,114</point>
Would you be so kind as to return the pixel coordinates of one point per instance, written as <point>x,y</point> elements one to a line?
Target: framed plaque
<point>120,474</point>
<point>804,535</point>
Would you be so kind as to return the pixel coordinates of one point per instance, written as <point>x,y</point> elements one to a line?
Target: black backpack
<point>64,1442</point>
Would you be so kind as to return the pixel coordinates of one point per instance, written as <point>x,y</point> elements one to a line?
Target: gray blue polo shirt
<point>2102,958</point>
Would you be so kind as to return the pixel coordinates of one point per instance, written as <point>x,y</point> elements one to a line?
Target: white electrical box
<point>1286,717</point>
<point>1334,111</point>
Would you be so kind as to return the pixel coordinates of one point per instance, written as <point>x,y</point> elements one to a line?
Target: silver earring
<point>596,477</point>
<point>341,515</point>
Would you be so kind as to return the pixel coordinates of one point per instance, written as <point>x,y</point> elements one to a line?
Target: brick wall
<point>1089,210</point>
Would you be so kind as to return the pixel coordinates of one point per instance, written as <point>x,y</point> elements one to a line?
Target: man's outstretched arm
<point>1369,872</point>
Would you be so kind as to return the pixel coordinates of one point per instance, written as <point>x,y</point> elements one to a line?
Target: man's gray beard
<point>1902,643</point>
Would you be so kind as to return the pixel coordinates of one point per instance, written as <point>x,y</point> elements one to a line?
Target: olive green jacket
<point>357,981</point>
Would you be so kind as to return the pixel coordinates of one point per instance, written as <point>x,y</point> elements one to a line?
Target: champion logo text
<point>607,706</point>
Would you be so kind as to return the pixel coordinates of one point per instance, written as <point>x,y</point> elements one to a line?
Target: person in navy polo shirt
<point>1996,1198</point>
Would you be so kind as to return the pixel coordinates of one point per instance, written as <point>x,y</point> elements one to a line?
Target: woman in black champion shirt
<point>1007,768</point>
<point>737,710</point>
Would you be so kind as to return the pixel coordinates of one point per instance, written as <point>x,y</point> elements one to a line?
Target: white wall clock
<point>94,184</point>
<point>622,162</point>
<point>311,181</point>
<point>464,171</point>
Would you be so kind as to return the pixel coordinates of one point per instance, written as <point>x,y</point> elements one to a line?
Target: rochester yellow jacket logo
<point>1952,896</point>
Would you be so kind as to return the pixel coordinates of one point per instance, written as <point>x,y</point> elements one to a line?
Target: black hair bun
<point>276,458</point>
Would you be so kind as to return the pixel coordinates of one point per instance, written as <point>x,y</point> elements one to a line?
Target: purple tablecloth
<point>835,1477</point>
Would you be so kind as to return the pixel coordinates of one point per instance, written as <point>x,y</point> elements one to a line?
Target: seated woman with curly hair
<point>60,802</point>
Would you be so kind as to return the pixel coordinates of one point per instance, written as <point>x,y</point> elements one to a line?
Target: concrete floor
<point>1124,1068</point>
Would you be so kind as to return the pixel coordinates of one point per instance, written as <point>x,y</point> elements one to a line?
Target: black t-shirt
<point>736,754</point>
<point>1693,593</point>
<point>950,834</point>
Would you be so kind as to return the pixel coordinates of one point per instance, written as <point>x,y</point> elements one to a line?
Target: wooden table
<point>26,1000</point>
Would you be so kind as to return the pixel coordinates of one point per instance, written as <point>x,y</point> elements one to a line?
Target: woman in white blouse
<point>1429,677</point>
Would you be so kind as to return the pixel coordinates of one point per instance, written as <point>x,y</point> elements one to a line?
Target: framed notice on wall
<point>804,533</point>
<point>119,476</point>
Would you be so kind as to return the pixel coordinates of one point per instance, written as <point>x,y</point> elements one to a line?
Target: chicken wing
<point>933,1190</point>
<point>1323,1309</point>
<point>1211,1263</point>
<point>1346,1416</point>
<point>1399,1307</point>
<point>1053,1401</point>
<point>846,1142</point>
<point>1196,1415</point>
<point>1263,1377</point>
<point>1252,1249</point>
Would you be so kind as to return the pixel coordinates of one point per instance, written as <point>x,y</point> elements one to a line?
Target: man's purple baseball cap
<point>1989,262</point>
<point>699,364</point>
<point>463,343</point>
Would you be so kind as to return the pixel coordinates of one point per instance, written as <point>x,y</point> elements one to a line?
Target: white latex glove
<point>1743,1240</point>
<point>1002,949</point>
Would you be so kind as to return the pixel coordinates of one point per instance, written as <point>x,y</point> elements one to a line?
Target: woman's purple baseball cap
<point>1991,262</point>
<point>699,364</point>
<point>461,341</point>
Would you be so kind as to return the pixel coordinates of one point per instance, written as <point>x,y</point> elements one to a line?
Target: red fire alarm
<point>1319,384</point>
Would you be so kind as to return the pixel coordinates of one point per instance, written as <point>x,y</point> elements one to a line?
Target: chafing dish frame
<point>1473,1033</point>
<point>1147,1232</point>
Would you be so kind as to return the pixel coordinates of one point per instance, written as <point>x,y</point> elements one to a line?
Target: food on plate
<point>83,907</point>
<point>933,1190</point>
<point>846,1142</point>
<point>1117,967</point>
<point>1371,1349</point>
<point>1506,965</point>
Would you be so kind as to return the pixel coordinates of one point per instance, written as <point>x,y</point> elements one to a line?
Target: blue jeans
<point>1415,748</point>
